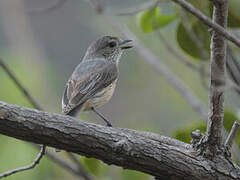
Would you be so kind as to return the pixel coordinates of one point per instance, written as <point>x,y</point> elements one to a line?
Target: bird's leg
<point>101,116</point>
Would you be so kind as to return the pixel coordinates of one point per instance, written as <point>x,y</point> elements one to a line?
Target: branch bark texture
<point>153,154</point>
<point>218,65</point>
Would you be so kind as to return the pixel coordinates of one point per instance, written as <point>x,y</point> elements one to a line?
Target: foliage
<point>183,133</point>
<point>151,20</point>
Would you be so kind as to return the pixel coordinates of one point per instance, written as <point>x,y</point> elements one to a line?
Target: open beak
<point>125,42</point>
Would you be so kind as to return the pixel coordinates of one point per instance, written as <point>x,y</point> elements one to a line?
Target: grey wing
<point>84,84</point>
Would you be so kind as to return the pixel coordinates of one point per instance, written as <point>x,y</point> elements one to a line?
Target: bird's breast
<point>100,98</point>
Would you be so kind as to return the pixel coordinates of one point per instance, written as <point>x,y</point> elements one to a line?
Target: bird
<point>93,81</point>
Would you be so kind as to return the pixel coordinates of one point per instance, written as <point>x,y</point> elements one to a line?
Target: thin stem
<point>19,85</point>
<point>37,106</point>
<point>216,27</point>
<point>50,8</point>
<point>232,135</point>
<point>81,169</point>
<point>31,166</point>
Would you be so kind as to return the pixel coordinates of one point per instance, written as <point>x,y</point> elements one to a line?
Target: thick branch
<point>216,94</point>
<point>147,152</point>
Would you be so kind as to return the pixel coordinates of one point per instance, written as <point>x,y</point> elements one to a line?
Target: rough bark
<point>217,84</point>
<point>153,154</point>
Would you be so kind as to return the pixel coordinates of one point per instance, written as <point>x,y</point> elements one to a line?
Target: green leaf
<point>183,133</point>
<point>133,175</point>
<point>152,19</point>
<point>188,45</point>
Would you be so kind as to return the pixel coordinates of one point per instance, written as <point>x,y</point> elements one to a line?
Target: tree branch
<point>50,8</point>
<point>232,135</point>
<point>216,94</point>
<point>216,27</point>
<point>31,166</point>
<point>153,154</point>
<point>80,171</point>
<point>19,85</point>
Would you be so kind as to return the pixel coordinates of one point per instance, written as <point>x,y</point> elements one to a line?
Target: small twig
<point>199,69</point>
<point>147,5</point>
<point>37,106</point>
<point>172,51</point>
<point>19,85</point>
<point>31,166</point>
<point>233,67</point>
<point>232,135</point>
<point>81,169</point>
<point>50,8</point>
<point>203,76</point>
<point>60,161</point>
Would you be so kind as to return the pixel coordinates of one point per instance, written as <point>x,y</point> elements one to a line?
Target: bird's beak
<point>125,42</point>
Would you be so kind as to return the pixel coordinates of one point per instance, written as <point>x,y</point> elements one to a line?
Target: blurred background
<point>43,47</point>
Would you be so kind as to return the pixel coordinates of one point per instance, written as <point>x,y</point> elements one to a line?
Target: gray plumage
<point>93,81</point>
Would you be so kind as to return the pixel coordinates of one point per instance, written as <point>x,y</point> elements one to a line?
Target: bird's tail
<point>74,112</point>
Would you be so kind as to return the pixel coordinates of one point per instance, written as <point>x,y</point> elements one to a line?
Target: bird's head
<point>107,47</point>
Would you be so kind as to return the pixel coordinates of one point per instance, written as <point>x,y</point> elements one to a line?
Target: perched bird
<point>93,81</point>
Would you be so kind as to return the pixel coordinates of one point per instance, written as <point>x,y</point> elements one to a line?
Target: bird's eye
<point>112,44</point>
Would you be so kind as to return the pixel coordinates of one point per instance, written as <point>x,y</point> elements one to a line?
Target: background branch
<point>19,85</point>
<point>216,27</point>
<point>31,166</point>
<point>232,135</point>
<point>80,171</point>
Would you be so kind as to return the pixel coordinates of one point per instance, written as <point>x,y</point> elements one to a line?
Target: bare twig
<point>37,106</point>
<point>172,51</point>
<point>147,5</point>
<point>199,69</point>
<point>233,67</point>
<point>216,94</point>
<point>81,169</point>
<point>19,85</point>
<point>60,161</point>
<point>31,166</point>
<point>190,8</point>
<point>50,8</point>
<point>232,135</point>
<point>203,75</point>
